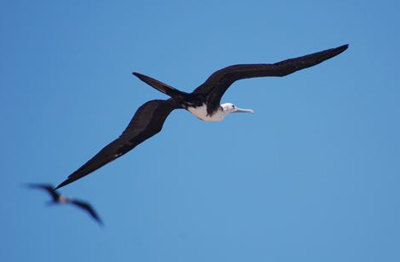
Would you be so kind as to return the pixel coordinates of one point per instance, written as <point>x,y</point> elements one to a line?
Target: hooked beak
<point>241,110</point>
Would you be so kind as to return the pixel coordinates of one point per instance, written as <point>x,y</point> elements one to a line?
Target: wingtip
<point>337,50</point>
<point>25,184</point>
<point>136,74</point>
<point>36,185</point>
<point>140,76</point>
<point>66,182</point>
<point>343,47</point>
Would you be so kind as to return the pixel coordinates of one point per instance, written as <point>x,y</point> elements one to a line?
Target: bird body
<point>203,102</point>
<point>201,113</point>
<point>225,109</point>
<point>61,199</point>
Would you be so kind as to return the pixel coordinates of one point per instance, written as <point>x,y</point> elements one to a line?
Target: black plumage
<point>57,198</point>
<point>150,117</point>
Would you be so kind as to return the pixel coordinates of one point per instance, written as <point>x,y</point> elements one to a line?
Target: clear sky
<point>312,175</point>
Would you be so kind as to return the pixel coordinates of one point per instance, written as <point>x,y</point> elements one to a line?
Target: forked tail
<point>160,86</point>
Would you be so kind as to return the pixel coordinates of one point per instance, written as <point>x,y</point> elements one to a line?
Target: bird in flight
<point>203,102</point>
<point>57,198</point>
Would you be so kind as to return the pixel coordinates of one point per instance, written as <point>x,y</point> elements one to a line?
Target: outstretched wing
<point>147,121</point>
<point>216,85</point>
<point>47,187</point>
<point>86,206</point>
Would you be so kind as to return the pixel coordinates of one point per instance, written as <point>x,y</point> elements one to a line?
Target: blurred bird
<point>61,199</point>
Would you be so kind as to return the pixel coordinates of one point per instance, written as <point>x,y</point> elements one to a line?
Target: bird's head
<point>229,108</point>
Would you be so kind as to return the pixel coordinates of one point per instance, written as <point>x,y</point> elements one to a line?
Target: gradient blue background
<point>313,175</point>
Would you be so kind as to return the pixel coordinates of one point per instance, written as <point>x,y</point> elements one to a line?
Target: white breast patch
<point>201,113</point>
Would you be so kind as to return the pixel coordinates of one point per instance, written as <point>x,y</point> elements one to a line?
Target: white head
<point>229,108</point>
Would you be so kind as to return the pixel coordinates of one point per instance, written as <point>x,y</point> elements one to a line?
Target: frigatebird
<point>57,198</point>
<point>203,102</point>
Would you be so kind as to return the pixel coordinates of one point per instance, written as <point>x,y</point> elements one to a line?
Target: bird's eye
<point>233,106</point>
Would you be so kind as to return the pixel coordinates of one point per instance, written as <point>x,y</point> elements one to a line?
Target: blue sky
<point>313,175</point>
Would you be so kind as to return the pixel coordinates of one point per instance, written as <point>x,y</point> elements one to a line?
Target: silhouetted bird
<point>203,102</point>
<point>61,199</point>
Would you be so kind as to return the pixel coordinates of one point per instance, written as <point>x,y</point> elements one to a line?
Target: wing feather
<point>147,121</point>
<point>216,85</point>
<point>87,207</point>
<point>47,187</point>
